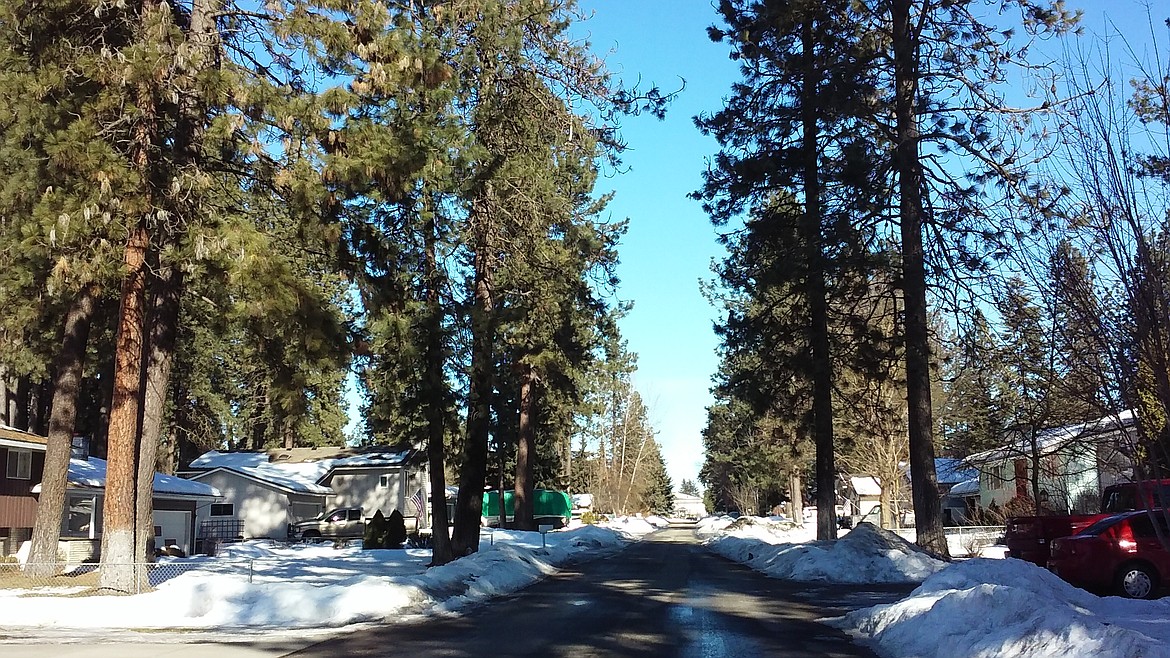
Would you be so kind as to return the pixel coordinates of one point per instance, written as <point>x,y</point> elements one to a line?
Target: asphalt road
<point>664,596</point>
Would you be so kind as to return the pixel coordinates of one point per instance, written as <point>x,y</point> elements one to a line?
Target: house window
<point>80,519</point>
<point>997,479</point>
<point>384,481</point>
<point>19,465</point>
<point>223,509</point>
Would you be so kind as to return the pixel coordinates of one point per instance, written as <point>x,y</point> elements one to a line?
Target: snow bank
<point>866,554</point>
<point>1004,608</point>
<point>632,526</point>
<point>266,585</point>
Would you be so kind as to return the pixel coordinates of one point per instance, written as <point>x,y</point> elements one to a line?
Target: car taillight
<point>1125,539</point>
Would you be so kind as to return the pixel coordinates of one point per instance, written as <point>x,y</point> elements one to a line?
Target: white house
<point>263,492</point>
<point>1073,464</point>
<point>689,506</point>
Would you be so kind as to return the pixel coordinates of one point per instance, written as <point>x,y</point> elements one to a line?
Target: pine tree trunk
<point>259,418</point>
<point>38,417</point>
<point>473,470</point>
<point>120,508</point>
<point>436,400</point>
<point>164,320</point>
<point>68,367</point>
<point>810,228</point>
<point>118,556</point>
<point>524,504</point>
<point>796,495</point>
<point>20,413</point>
<point>6,398</point>
<point>924,486</point>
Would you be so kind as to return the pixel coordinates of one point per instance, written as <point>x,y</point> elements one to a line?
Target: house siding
<point>263,510</point>
<point>362,490</point>
<point>18,505</point>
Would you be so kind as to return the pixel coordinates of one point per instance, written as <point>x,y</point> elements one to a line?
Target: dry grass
<point>12,577</point>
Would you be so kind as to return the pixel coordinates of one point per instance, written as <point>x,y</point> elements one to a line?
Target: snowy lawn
<point>985,608</point>
<point>265,585</point>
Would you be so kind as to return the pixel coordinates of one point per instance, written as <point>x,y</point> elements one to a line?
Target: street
<point>663,596</point>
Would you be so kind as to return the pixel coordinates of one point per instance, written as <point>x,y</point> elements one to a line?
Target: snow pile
<point>657,521</point>
<point>1001,608</point>
<point>633,526</point>
<point>712,525</point>
<point>866,554</point>
<point>262,584</point>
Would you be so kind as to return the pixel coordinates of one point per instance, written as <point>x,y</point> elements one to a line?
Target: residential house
<point>863,493</point>
<point>1072,464</point>
<point>23,454</point>
<point>264,492</point>
<point>689,506</point>
<point>23,457</point>
<point>176,503</point>
<point>954,479</point>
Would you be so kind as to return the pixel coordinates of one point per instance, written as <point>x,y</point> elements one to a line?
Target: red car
<point>1125,553</point>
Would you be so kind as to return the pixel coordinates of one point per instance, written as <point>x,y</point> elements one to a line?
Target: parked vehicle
<point>342,523</point>
<point>335,524</point>
<point>1030,537</point>
<point>550,507</point>
<point>1122,553</point>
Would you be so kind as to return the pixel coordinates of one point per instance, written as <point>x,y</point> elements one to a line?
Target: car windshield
<point>1101,526</point>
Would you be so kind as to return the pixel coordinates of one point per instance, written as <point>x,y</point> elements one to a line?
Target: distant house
<point>687,505</point>
<point>954,479</point>
<point>1073,463</point>
<point>263,492</point>
<point>23,457</point>
<point>863,493</point>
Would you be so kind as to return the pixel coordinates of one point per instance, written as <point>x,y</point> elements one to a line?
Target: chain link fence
<point>64,579</point>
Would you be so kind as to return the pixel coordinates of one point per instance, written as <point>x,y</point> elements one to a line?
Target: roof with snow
<point>301,470</point>
<point>865,485</point>
<point>949,470</point>
<point>965,488</point>
<point>1053,440</point>
<point>10,436</point>
<point>91,474</point>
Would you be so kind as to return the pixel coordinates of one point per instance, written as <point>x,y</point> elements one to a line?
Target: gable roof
<point>865,485</point>
<point>952,471</point>
<point>301,470</point>
<point>91,474</point>
<point>965,488</point>
<point>270,476</point>
<point>1052,440</point>
<point>12,437</point>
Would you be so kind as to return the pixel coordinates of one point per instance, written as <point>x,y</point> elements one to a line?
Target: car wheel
<point>311,535</point>
<point>1137,581</point>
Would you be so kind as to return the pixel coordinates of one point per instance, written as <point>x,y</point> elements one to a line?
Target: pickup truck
<point>343,523</point>
<point>1030,537</point>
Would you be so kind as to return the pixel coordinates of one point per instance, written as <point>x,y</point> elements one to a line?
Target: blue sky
<point>670,242</point>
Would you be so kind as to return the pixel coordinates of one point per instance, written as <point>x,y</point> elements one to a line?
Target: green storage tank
<point>549,507</point>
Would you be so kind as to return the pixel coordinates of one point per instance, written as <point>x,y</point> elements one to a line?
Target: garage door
<point>173,529</point>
